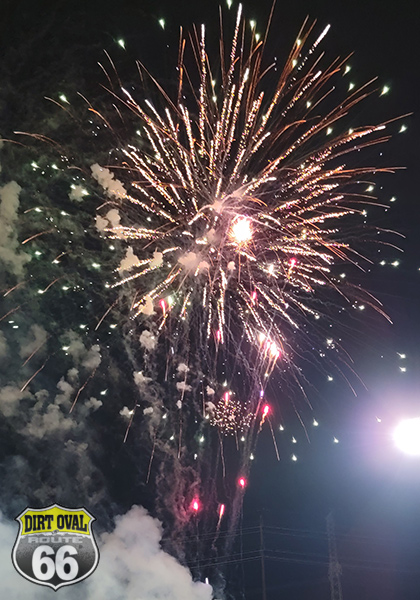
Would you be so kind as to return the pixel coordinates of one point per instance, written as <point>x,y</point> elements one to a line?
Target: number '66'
<point>44,567</point>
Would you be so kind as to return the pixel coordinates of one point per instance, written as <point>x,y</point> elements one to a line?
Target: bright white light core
<point>407,436</point>
<point>241,231</point>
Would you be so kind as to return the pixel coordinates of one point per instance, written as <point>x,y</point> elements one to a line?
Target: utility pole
<point>262,555</point>
<point>334,567</point>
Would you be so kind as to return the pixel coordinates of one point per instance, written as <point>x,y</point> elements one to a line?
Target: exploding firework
<point>236,205</point>
<point>231,415</point>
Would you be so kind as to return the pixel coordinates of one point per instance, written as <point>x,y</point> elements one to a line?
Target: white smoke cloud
<point>46,416</point>
<point>129,261</point>
<point>126,412</point>
<point>203,266</point>
<point>77,193</point>
<point>148,410</point>
<point>93,404</point>
<point>113,217</point>
<point>106,179</point>
<point>111,220</point>
<point>50,417</point>
<point>47,423</point>
<point>182,368</point>
<point>210,407</point>
<point>75,347</point>
<point>89,359</point>
<point>36,338</point>
<point>183,387</point>
<point>101,223</point>
<point>4,349</point>
<point>132,566</point>
<point>66,392</point>
<point>189,261</point>
<point>231,266</point>
<point>148,340</point>
<point>157,259</point>
<point>72,375</point>
<point>10,399</point>
<point>54,444</point>
<point>9,195</point>
<point>141,380</point>
<point>211,235</point>
<point>210,391</point>
<point>10,253</point>
<point>147,308</point>
<point>93,358</point>
<point>15,587</point>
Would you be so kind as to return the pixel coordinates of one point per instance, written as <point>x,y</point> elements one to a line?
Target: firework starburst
<point>230,415</point>
<point>236,202</point>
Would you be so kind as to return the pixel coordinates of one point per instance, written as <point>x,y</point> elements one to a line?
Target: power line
<point>283,532</point>
<point>303,560</point>
<point>210,535</point>
<point>313,533</point>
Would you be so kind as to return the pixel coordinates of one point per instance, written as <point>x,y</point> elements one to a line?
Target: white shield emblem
<point>55,546</point>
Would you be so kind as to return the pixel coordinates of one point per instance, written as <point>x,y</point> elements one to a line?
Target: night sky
<point>51,48</point>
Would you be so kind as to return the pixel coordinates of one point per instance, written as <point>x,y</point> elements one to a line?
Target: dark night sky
<point>374,491</point>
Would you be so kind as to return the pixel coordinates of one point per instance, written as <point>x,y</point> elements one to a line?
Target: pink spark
<point>266,410</point>
<point>218,335</point>
<point>242,482</point>
<point>221,511</point>
<point>195,505</point>
<point>254,297</point>
<point>292,262</point>
<point>163,306</point>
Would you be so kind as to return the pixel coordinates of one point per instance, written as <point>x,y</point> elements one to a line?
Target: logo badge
<point>55,546</point>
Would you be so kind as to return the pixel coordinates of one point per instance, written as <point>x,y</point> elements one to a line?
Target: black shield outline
<point>19,537</point>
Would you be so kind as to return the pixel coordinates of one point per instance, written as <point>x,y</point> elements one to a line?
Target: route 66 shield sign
<point>55,546</point>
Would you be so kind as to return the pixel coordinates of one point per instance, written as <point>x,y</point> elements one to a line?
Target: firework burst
<point>230,415</point>
<point>237,201</point>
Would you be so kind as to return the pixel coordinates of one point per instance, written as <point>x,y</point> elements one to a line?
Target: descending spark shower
<point>237,203</point>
